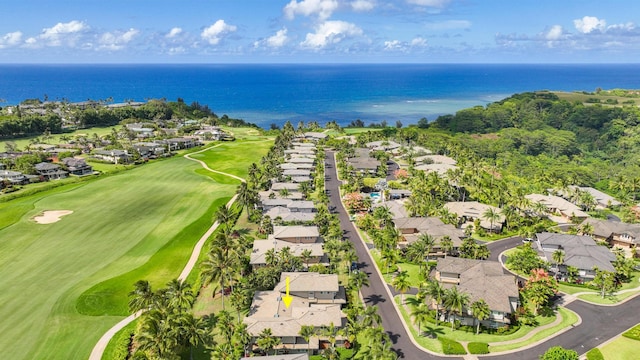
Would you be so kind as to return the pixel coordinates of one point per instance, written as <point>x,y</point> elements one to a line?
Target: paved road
<point>375,293</point>
<point>599,323</point>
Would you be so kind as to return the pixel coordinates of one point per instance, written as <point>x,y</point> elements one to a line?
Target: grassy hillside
<point>139,223</point>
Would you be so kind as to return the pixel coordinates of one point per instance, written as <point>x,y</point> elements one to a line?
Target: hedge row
<point>452,347</point>
<point>478,348</point>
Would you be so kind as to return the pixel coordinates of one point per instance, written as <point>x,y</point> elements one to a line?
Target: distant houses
<point>471,211</point>
<point>615,234</point>
<point>558,209</point>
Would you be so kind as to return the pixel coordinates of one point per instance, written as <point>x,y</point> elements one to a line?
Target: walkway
<point>101,345</point>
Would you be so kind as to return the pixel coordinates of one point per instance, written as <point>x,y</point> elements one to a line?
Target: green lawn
<point>621,348</point>
<point>55,138</point>
<point>138,223</point>
<point>595,297</point>
<point>444,329</point>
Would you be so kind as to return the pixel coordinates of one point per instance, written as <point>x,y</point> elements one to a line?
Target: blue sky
<point>320,31</point>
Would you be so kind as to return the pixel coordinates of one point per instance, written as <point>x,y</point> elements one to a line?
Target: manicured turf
<point>621,348</point>
<point>118,225</point>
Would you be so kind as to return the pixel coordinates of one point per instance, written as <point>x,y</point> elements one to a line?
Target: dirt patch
<point>51,216</point>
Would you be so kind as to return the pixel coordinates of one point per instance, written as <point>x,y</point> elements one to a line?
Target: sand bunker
<point>49,217</point>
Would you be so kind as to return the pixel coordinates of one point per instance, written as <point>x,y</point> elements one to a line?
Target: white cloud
<point>589,23</point>
<point>117,40</point>
<point>214,33</point>
<point>393,45</point>
<point>429,3</point>
<point>330,32</point>
<point>174,32</point>
<point>10,39</point>
<point>363,5</point>
<point>322,8</point>
<point>418,42</point>
<point>397,45</point>
<point>279,39</point>
<point>449,25</point>
<point>554,33</point>
<point>62,33</point>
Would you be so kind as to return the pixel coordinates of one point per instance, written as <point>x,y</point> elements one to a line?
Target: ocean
<point>266,94</point>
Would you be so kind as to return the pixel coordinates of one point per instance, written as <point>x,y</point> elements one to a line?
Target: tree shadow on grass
<point>432,332</point>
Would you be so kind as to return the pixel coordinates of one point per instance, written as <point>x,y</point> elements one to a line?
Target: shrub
<point>478,348</point>
<point>122,342</point>
<point>451,347</point>
<point>595,354</point>
<point>633,333</point>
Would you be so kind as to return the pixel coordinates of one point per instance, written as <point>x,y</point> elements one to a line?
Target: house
<point>396,207</point>
<point>293,205</point>
<point>580,251</point>
<point>287,216</point>
<point>113,156</point>
<point>296,234</point>
<point>181,143</point>
<point>383,145</point>
<point>615,233</point>
<point>440,169</point>
<point>364,163</point>
<point>77,166</point>
<point>411,228</point>
<point>292,195</point>
<point>484,280</point>
<point>395,194</point>
<point>470,211</point>
<point>277,186</point>
<point>316,300</point>
<point>563,210</point>
<point>260,249</point>
<point>314,136</point>
<point>296,172</point>
<point>296,166</point>
<point>13,177</point>
<point>435,159</point>
<point>302,160</point>
<point>50,171</point>
<point>142,130</point>
<point>603,200</point>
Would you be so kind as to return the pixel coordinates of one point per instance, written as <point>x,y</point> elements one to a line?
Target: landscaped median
<point>621,348</point>
<point>429,338</point>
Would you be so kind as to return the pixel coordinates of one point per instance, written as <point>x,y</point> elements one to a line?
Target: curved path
<point>101,345</point>
<point>598,325</point>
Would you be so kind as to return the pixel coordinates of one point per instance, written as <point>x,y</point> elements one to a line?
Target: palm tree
<point>455,301</point>
<point>180,294</point>
<point>306,256</point>
<point>558,258</point>
<point>266,341</point>
<point>193,330</point>
<point>216,269</point>
<point>370,316</point>
<point>401,283</point>
<point>331,332</point>
<point>142,296</point>
<point>358,279</point>
<point>223,351</point>
<point>492,216</point>
<point>420,313</point>
<point>246,196</point>
<point>157,335</point>
<point>306,332</point>
<point>223,215</point>
<point>480,311</point>
<point>241,337</point>
<point>446,244</point>
<point>436,292</point>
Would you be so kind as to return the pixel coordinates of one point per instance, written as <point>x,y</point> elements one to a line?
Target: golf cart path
<point>101,345</point>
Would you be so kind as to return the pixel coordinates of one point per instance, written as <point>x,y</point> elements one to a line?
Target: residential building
<point>13,177</point>
<point>603,200</point>
<point>615,233</point>
<point>285,215</point>
<point>470,211</point>
<point>77,166</point>
<point>580,251</point>
<point>260,249</point>
<point>559,209</point>
<point>301,356</point>
<point>50,171</point>
<point>113,156</point>
<point>296,234</point>
<point>316,300</point>
<point>411,228</point>
<point>482,280</point>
